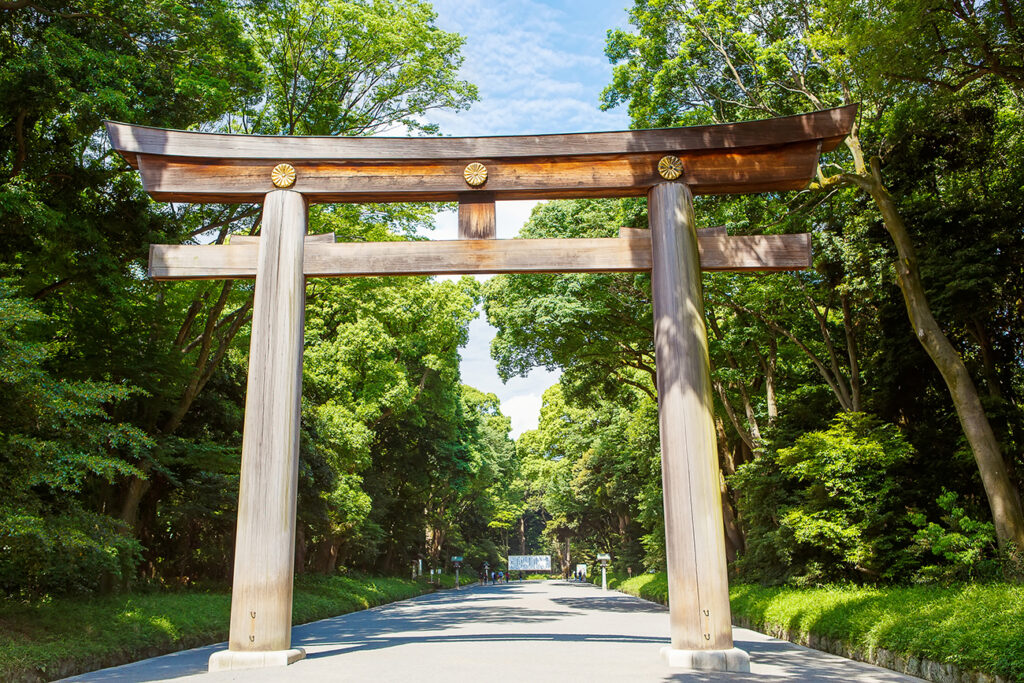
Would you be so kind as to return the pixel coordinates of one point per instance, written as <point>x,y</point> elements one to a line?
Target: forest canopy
<point>868,411</point>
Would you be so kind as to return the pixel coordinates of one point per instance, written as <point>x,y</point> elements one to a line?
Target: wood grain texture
<point>788,166</point>
<point>347,259</point>
<point>476,216</point>
<point>699,611</point>
<point>829,125</point>
<point>261,593</point>
<point>327,237</point>
<point>645,233</point>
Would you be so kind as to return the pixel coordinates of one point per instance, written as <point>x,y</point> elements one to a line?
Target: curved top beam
<point>751,156</point>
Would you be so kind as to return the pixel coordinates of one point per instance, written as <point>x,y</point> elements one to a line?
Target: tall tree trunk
<point>988,363</point>
<point>733,535</point>
<point>300,549</point>
<point>768,364</point>
<point>851,351</point>
<point>1003,498</point>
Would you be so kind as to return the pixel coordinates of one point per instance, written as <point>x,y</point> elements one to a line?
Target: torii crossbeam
<point>669,166</point>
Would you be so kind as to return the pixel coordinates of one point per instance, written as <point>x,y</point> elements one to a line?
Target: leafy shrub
<point>828,508</point>
<point>967,545</point>
<point>63,553</point>
<point>55,436</point>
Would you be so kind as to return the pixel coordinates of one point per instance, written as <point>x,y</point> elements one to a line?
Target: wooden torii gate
<point>669,166</point>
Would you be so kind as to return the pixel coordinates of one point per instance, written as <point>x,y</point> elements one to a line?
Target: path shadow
<point>609,603</point>
<point>373,642</point>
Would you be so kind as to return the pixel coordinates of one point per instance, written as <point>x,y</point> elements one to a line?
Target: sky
<point>540,68</point>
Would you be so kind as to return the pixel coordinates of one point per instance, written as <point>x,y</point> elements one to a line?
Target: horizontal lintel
<point>829,125</point>
<point>740,171</point>
<point>457,257</point>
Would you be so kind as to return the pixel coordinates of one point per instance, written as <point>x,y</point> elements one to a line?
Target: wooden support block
<point>345,259</point>
<point>326,237</point>
<point>645,233</point>
<point>476,216</point>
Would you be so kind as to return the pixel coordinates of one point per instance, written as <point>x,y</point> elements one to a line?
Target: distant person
<point>501,576</point>
<point>629,571</point>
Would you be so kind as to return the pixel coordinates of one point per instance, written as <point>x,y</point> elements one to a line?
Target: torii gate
<point>669,166</point>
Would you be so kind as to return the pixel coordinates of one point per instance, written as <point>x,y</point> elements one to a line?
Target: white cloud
<point>524,410</point>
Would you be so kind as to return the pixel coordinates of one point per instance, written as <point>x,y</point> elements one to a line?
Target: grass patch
<point>977,627</point>
<point>65,636</point>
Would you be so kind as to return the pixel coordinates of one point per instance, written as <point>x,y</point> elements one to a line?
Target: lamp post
<point>604,558</point>
<point>457,561</point>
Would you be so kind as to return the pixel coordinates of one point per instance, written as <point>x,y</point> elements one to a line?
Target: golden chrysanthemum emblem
<point>475,174</point>
<point>670,167</point>
<point>283,175</point>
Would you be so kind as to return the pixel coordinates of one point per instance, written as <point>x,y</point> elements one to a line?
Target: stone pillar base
<point>228,660</point>
<point>735,660</point>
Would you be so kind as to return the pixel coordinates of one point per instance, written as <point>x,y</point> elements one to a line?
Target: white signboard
<point>529,563</point>
<point>581,569</point>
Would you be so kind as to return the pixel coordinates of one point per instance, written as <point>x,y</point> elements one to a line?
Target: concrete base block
<point>707,660</point>
<point>228,660</point>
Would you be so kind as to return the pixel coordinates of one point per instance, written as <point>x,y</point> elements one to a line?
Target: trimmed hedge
<point>976,627</point>
<point>66,636</point>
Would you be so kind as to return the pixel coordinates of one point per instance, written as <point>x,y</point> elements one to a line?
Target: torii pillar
<point>261,591</point>
<point>698,583</point>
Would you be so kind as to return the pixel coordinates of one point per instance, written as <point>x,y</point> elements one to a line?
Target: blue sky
<point>540,68</point>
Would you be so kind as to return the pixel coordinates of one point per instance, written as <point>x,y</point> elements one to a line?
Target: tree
<point>944,45</point>
<point>77,224</point>
<point>838,501</point>
<point>328,67</point>
<point>56,437</point>
<point>707,61</point>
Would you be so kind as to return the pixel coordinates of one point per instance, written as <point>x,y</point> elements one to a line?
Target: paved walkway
<point>530,632</point>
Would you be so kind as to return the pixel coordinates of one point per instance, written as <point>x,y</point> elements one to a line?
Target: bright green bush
<point>829,508</point>
<point>967,546</point>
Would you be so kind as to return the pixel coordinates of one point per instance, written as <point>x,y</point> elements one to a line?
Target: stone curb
<point>912,666</point>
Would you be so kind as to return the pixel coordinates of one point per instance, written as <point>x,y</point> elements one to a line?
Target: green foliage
<point>587,469</point>
<point>55,436</point>
<point>939,44</point>
<point>836,511</point>
<point>651,586</point>
<point>973,626</point>
<point>352,67</point>
<point>121,436</point>
<point>967,545</point>
<point>806,501</point>
<point>66,636</point>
